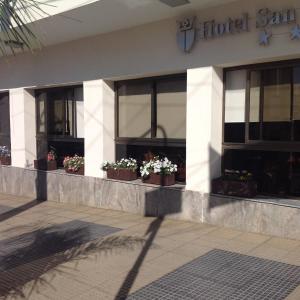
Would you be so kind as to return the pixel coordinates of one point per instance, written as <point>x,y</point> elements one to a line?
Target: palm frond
<point>15,30</point>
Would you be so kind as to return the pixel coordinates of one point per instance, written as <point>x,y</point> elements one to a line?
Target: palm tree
<point>15,29</point>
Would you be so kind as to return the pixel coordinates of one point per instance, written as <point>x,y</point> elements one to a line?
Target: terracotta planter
<point>5,160</point>
<point>79,172</point>
<point>121,174</point>
<point>236,188</point>
<point>43,164</point>
<point>181,174</point>
<point>157,179</point>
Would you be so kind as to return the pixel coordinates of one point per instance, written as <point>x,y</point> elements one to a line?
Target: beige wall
<point>204,127</point>
<point>99,125</point>
<point>22,127</point>
<point>149,49</point>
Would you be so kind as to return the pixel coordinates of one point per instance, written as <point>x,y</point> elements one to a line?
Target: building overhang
<point>80,19</point>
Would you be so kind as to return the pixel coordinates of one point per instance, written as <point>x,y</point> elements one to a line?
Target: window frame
<point>260,144</point>
<point>152,140</point>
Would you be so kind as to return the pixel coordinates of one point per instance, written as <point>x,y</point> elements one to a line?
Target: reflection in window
<point>63,110</point>
<point>56,111</point>
<point>235,99</point>
<point>135,110</point>
<point>41,125</point>
<point>4,120</point>
<point>277,104</point>
<point>254,112</point>
<point>60,113</point>
<point>171,109</point>
<point>296,104</point>
<point>4,114</point>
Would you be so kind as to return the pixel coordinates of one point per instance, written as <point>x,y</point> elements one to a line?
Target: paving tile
<point>237,246</point>
<point>4,209</point>
<point>292,258</point>
<point>167,244</point>
<point>169,261</point>
<point>295,295</point>
<point>94,294</point>
<point>268,252</point>
<point>254,238</point>
<point>283,244</point>
<point>106,221</point>
<point>223,233</point>
<point>191,251</point>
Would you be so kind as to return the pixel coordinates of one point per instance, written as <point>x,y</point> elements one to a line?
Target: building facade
<point>212,87</point>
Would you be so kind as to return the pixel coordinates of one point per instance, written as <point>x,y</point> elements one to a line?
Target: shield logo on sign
<point>186,34</point>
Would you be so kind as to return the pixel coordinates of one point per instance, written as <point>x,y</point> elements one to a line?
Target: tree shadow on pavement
<point>159,203</point>
<point>25,258</point>
<point>18,210</point>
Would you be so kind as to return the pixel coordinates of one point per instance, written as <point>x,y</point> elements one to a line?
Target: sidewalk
<point>58,251</point>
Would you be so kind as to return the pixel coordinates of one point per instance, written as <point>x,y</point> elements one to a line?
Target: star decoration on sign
<point>295,32</point>
<point>264,38</point>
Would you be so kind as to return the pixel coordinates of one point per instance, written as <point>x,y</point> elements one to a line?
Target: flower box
<point>181,174</point>
<point>74,165</point>
<point>238,188</point>
<point>5,160</point>
<point>158,179</point>
<point>80,171</point>
<point>43,164</point>
<point>121,174</point>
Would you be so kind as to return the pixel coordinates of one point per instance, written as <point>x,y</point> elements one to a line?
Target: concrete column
<point>99,125</point>
<point>204,127</point>
<point>22,127</point>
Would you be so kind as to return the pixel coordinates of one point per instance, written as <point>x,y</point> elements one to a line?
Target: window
<point>296,103</point>
<point>135,109</point>
<point>262,125</point>
<point>151,119</point>
<point>254,110</point>
<point>4,120</point>
<point>171,109</point>
<point>60,112</point>
<point>60,121</point>
<point>153,108</point>
<point>4,114</point>
<point>235,101</point>
<point>277,104</point>
<point>267,108</point>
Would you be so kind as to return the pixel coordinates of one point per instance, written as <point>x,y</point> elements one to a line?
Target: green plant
<point>158,166</point>
<point>124,163</point>
<point>4,151</point>
<point>51,156</point>
<point>73,163</point>
<point>238,175</point>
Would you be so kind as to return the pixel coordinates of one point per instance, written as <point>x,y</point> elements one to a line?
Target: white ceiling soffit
<point>96,17</point>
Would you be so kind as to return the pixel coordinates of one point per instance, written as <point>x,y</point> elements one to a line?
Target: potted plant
<point>74,165</point>
<point>5,158</point>
<point>124,169</point>
<point>235,183</point>
<point>159,171</point>
<point>48,164</point>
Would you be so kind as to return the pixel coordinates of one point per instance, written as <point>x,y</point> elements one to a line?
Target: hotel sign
<point>190,30</point>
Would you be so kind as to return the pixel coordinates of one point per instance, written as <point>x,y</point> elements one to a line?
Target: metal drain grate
<point>224,275</point>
